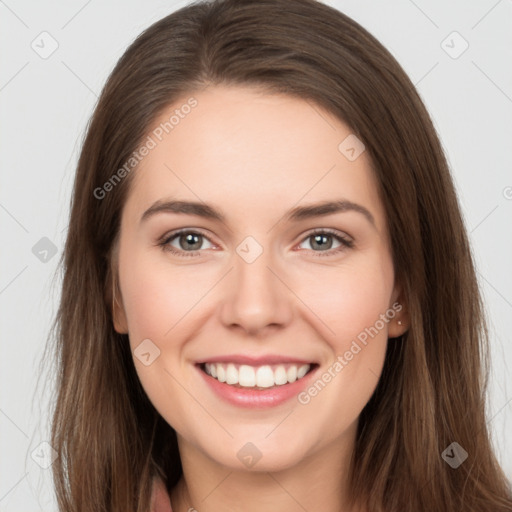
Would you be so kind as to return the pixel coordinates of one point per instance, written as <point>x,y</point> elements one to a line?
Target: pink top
<point>160,501</point>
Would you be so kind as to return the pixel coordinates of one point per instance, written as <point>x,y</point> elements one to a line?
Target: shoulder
<point>160,500</point>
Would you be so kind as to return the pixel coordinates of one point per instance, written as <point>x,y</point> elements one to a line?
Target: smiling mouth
<point>257,377</point>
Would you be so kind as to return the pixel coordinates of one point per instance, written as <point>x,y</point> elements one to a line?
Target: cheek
<point>156,294</point>
<point>157,298</point>
<point>350,304</point>
<point>349,300</point>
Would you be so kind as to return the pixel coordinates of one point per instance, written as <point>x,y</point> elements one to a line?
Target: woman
<point>320,345</point>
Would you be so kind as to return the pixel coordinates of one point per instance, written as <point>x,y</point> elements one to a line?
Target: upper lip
<point>255,361</point>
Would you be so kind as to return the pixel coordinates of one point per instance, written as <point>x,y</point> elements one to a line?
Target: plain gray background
<point>46,101</point>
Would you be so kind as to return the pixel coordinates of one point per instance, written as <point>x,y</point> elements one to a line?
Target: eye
<point>322,239</point>
<point>186,243</point>
<point>189,243</point>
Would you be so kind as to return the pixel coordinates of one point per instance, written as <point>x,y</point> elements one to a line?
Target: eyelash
<point>346,243</point>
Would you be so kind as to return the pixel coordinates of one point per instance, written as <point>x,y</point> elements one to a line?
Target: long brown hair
<point>110,439</point>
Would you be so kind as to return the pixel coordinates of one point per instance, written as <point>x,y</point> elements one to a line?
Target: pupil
<point>191,240</point>
<point>320,241</point>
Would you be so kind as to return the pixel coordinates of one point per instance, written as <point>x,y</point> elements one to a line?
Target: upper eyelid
<point>174,234</point>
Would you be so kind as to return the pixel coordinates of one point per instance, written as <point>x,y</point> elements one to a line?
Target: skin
<point>239,150</point>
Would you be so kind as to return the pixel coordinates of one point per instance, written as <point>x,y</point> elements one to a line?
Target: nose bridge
<point>256,297</point>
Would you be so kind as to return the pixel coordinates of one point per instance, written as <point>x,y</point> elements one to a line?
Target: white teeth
<point>280,376</point>
<point>247,377</point>
<point>264,376</point>
<point>221,373</point>
<point>292,374</point>
<point>302,371</point>
<point>231,374</point>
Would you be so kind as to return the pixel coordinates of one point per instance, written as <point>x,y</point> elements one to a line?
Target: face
<point>289,305</point>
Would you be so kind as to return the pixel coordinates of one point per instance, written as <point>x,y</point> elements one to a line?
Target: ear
<point>400,323</point>
<point>118,313</point>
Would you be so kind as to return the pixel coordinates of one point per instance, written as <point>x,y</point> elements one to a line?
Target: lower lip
<point>254,398</point>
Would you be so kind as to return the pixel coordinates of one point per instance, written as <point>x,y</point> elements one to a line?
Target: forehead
<point>250,151</point>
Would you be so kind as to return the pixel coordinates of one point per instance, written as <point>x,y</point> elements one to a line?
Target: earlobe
<point>399,324</point>
<point>397,328</point>
<point>120,325</point>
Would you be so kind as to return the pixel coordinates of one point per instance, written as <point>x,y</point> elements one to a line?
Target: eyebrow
<point>295,214</point>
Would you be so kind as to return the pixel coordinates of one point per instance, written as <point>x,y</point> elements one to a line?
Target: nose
<point>256,298</point>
